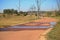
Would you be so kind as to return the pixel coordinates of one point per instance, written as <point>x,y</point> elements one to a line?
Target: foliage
<point>10,11</point>
<point>49,13</point>
<point>25,14</point>
<point>57,13</point>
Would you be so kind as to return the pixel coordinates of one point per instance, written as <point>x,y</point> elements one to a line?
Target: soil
<point>28,34</point>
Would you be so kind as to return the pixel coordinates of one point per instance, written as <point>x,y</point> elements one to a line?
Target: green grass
<point>14,20</point>
<point>55,33</point>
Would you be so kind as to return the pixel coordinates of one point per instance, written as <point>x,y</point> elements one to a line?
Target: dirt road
<point>22,35</point>
<point>26,34</point>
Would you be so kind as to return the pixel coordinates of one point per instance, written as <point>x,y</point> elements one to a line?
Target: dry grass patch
<point>15,20</point>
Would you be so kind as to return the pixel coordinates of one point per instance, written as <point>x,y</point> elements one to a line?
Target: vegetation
<point>14,20</point>
<point>10,12</point>
<point>12,17</point>
<point>55,33</point>
<point>57,13</point>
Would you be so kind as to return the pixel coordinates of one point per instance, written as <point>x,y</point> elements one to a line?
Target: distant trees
<point>15,12</point>
<point>10,12</point>
<point>25,14</point>
<point>49,13</point>
<point>57,13</point>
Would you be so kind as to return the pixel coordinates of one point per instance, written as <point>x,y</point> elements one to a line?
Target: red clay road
<point>25,34</point>
<point>21,35</point>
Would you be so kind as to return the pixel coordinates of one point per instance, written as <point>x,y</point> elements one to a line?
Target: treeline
<point>57,13</point>
<point>10,12</point>
<point>52,13</point>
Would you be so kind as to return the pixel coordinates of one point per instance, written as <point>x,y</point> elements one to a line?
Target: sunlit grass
<point>55,33</point>
<point>14,20</point>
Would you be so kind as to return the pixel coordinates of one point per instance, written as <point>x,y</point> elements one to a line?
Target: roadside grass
<point>55,33</point>
<point>10,21</point>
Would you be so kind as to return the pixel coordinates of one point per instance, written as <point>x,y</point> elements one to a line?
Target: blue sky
<point>26,4</point>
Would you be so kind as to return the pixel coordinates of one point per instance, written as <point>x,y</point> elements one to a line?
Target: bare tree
<point>38,7</point>
<point>32,9</point>
<point>58,4</point>
<point>19,5</point>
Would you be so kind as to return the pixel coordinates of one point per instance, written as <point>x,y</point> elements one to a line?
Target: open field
<point>53,35</point>
<point>26,34</point>
<point>4,22</point>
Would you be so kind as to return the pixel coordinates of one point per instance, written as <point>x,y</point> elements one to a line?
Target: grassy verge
<point>5,22</point>
<point>55,33</point>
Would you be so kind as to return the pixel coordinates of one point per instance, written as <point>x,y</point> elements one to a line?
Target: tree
<point>32,9</point>
<point>7,11</point>
<point>57,13</point>
<point>10,11</point>
<point>19,5</point>
<point>38,2</point>
<point>49,13</point>
<point>58,4</point>
<point>16,12</point>
<point>25,14</point>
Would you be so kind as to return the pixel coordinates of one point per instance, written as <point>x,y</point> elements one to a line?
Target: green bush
<point>25,14</point>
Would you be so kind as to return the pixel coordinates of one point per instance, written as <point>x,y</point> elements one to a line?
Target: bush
<point>25,14</point>
<point>57,13</point>
<point>3,15</point>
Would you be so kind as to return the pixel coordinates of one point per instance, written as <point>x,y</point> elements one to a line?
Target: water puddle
<point>29,27</point>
